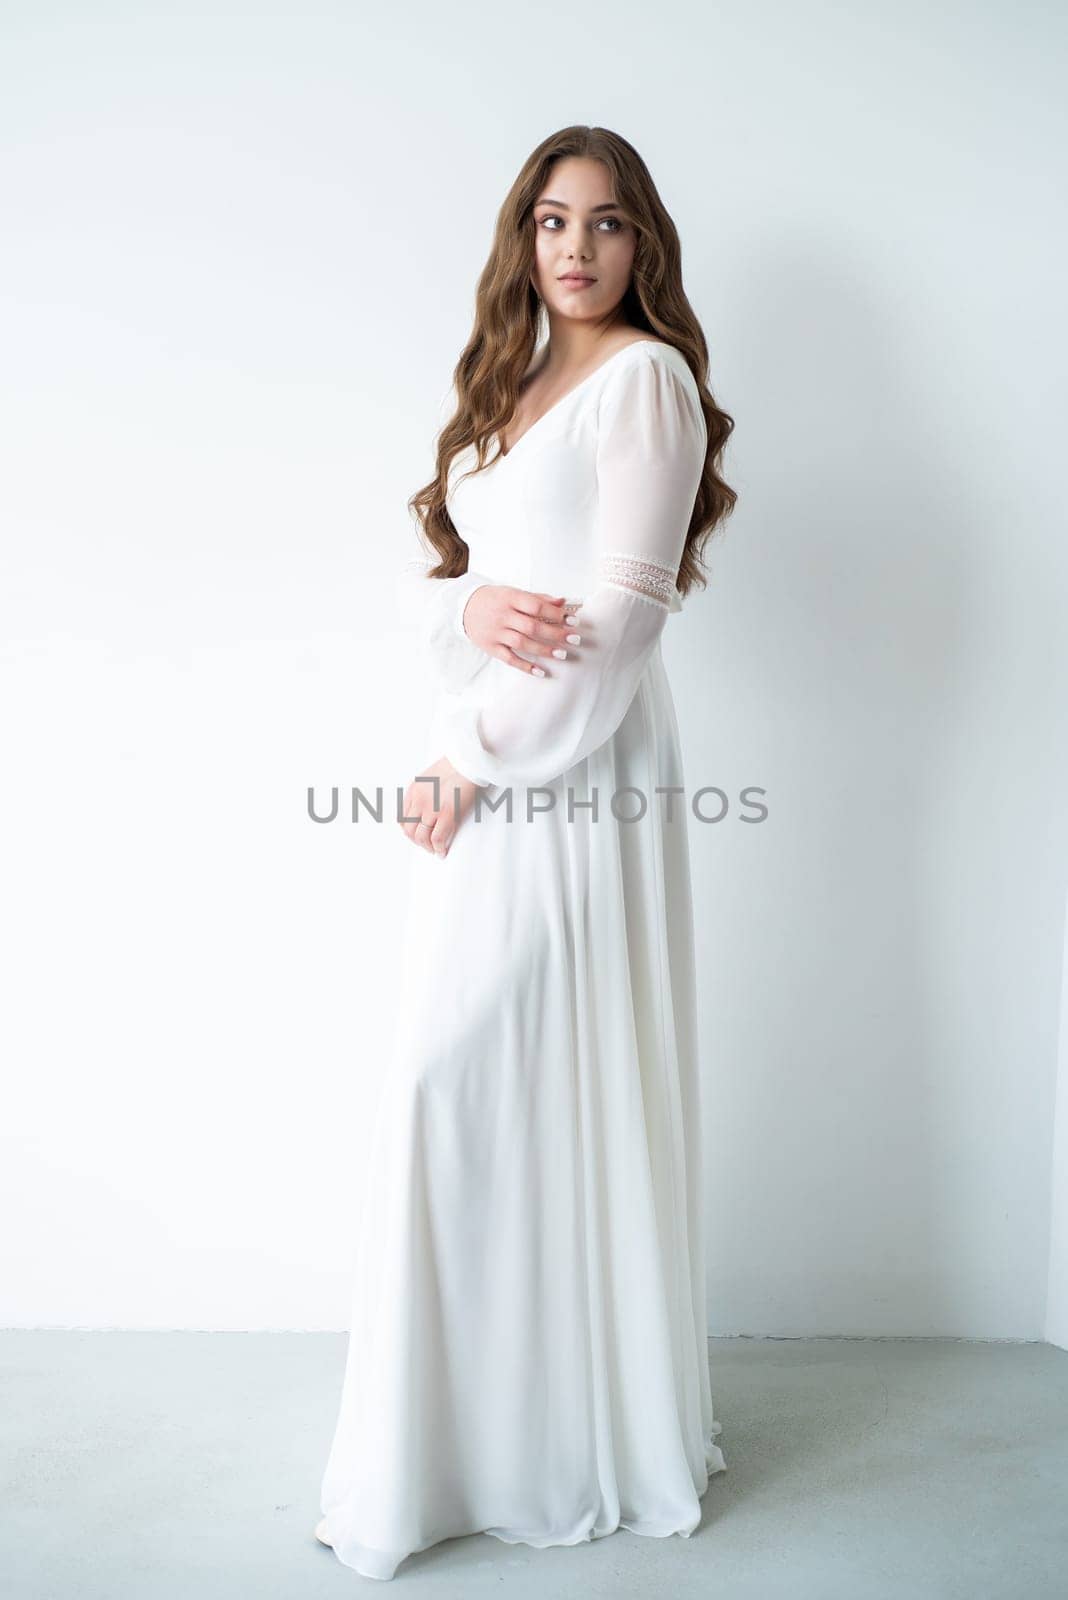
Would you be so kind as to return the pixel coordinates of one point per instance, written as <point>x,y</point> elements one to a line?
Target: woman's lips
<point>578,283</point>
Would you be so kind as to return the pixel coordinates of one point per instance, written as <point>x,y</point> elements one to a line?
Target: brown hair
<point>488,374</point>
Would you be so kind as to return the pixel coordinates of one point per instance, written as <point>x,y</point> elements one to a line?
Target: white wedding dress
<point>528,1352</point>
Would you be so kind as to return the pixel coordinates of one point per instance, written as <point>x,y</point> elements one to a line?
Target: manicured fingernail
<point>561,655</point>
<point>539,672</point>
<point>573,638</point>
<point>570,621</point>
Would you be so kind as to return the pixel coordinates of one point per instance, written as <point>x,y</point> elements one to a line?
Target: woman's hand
<point>434,826</point>
<point>503,620</point>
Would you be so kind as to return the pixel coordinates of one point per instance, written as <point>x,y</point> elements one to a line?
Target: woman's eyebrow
<point>609,205</point>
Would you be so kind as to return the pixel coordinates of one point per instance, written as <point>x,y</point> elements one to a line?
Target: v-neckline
<point>507,455</point>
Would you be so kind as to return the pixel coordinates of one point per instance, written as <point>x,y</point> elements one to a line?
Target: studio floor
<point>162,1466</point>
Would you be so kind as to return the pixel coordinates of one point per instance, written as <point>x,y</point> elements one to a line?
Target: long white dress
<point>528,1353</point>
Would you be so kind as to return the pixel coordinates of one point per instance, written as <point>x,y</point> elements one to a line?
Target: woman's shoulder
<point>646,342</point>
<point>645,348</point>
<point>622,372</point>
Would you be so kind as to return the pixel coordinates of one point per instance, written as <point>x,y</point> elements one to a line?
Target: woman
<point>528,1352</point>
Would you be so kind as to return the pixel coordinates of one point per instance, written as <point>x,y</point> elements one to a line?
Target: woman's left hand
<point>434,826</point>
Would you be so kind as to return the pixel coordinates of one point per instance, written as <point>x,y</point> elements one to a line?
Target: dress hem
<point>388,1561</point>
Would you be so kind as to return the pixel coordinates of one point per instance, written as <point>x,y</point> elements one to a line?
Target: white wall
<point>241,252</point>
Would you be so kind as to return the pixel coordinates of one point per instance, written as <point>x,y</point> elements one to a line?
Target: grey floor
<point>160,1465</point>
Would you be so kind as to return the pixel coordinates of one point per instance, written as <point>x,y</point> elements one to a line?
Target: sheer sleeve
<point>651,446</point>
<point>434,609</point>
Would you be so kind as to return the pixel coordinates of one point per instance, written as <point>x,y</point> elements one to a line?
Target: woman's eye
<point>615,223</point>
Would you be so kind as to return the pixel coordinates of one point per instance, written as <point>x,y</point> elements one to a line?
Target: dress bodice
<point>530,517</point>
<point>593,502</point>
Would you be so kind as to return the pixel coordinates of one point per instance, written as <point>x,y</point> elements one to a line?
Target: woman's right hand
<point>503,620</point>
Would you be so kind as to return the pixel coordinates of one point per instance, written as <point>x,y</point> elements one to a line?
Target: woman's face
<point>578,228</point>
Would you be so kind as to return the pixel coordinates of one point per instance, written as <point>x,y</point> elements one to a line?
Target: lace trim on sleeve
<point>650,579</point>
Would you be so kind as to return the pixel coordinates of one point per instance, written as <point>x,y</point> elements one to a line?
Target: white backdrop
<point>240,258</point>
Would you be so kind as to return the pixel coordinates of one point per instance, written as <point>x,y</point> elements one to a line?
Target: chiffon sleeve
<point>651,447</point>
<point>434,609</point>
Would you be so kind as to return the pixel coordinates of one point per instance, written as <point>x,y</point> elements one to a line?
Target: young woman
<point>528,1352</point>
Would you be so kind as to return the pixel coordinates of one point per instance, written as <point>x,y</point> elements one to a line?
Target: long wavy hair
<point>503,341</point>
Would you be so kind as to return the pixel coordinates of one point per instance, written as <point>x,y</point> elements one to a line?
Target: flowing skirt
<point>528,1352</point>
